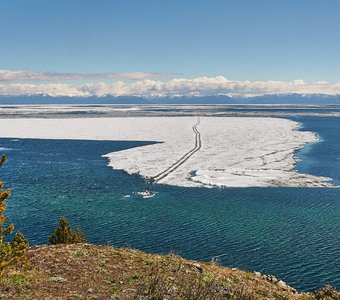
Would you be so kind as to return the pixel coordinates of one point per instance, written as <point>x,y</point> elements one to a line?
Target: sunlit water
<point>293,233</point>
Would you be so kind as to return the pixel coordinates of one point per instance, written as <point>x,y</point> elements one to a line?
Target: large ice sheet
<point>233,152</point>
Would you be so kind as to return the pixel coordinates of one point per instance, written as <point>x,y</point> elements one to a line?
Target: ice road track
<point>183,159</point>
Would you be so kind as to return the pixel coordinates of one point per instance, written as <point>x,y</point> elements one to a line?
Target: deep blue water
<point>293,233</point>
<point>321,158</point>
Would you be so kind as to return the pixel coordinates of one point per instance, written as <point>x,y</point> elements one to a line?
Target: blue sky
<point>187,47</point>
<point>242,40</point>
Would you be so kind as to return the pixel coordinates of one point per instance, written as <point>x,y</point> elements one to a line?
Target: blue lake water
<point>293,233</point>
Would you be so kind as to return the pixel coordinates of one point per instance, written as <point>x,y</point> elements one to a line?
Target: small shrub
<point>64,234</point>
<point>11,253</point>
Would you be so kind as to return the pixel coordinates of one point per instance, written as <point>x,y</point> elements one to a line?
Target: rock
<point>130,290</point>
<point>282,284</point>
<point>197,267</point>
<point>234,269</point>
<point>272,279</point>
<point>58,279</point>
<point>257,274</point>
<point>90,290</point>
<point>75,294</point>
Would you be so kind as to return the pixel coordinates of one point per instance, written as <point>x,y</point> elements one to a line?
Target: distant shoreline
<point>168,110</point>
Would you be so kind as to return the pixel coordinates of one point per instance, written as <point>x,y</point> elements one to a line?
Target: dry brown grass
<point>100,272</point>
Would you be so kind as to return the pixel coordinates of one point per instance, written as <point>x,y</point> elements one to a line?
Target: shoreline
<point>65,111</point>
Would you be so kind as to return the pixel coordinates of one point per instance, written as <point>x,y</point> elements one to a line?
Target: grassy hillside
<point>85,271</point>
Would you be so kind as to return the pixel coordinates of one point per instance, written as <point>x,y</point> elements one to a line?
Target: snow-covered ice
<point>233,151</point>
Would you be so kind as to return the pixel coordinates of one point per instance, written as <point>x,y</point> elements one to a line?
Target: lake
<point>292,233</point>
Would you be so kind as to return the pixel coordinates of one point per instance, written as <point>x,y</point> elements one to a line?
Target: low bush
<point>64,234</point>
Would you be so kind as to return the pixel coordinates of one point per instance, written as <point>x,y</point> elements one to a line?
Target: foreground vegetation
<point>11,252</point>
<point>83,271</point>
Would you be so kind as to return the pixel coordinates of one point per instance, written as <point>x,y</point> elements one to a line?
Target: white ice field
<point>210,151</point>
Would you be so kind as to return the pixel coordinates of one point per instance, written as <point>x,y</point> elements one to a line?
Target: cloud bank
<point>142,86</point>
<point>9,76</point>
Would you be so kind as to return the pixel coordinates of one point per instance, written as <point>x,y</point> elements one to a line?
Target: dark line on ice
<point>184,158</point>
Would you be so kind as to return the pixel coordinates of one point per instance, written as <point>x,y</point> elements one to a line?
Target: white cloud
<point>10,76</point>
<point>207,86</point>
<point>202,86</point>
<point>51,89</point>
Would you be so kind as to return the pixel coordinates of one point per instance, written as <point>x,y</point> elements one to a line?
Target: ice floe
<point>212,151</point>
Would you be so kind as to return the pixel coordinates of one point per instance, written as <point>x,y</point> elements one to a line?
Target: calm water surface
<point>293,233</point>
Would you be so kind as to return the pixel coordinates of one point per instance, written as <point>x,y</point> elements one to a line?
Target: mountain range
<point>41,99</point>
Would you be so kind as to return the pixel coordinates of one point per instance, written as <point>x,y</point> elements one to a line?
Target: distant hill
<point>204,100</point>
<point>291,99</point>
